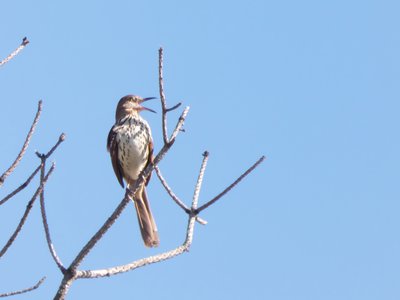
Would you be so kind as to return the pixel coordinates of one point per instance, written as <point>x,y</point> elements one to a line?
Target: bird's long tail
<point>147,224</point>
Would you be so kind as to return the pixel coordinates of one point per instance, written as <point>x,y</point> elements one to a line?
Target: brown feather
<point>149,160</point>
<point>147,225</point>
<point>112,147</point>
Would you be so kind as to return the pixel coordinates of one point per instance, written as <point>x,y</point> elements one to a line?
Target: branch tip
<point>231,186</point>
<point>173,107</point>
<point>15,52</point>
<point>25,290</point>
<point>25,41</point>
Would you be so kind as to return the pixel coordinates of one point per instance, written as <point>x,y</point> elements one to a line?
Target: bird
<point>130,145</point>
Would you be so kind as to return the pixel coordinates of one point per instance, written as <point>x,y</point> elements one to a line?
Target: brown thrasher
<point>131,149</point>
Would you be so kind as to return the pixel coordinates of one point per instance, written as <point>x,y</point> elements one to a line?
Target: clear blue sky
<point>313,85</point>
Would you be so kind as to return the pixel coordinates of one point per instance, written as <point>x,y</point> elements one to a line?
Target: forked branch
<point>162,96</point>
<point>27,211</point>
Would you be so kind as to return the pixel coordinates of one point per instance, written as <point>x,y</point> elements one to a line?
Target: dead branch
<point>43,181</point>
<point>162,96</point>
<point>39,190</point>
<point>21,187</point>
<point>43,212</point>
<point>27,210</point>
<point>24,290</point>
<point>216,198</point>
<point>24,147</point>
<point>15,52</point>
<point>174,197</point>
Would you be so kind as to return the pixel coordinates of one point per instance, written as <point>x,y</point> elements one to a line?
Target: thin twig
<point>26,183</point>
<point>200,180</point>
<point>44,217</point>
<point>162,95</point>
<point>179,126</point>
<point>24,290</point>
<point>190,230</point>
<point>173,107</point>
<point>164,108</point>
<point>15,52</point>
<point>61,139</point>
<point>21,187</point>
<point>174,197</point>
<point>26,213</point>
<point>170,192</point>
<point>24,147</point>
<point>216,198</point>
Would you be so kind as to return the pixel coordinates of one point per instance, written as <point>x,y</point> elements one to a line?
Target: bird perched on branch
<point>131,149</point>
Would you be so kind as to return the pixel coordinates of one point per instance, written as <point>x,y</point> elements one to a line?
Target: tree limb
<point>15,52</point>
<point>44,217</point>
<point>24,147</point>
<point>29,206</point>
<point>24,290</point>
<point>26,213</point>
<point>216,198</point>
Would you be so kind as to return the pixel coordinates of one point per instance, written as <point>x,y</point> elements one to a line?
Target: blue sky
<point>313,85</point>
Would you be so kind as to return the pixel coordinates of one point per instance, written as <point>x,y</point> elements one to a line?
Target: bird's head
<point>131,104</point>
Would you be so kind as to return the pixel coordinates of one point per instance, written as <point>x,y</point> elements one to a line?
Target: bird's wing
<point>112,147</point>
<point>150,158</point>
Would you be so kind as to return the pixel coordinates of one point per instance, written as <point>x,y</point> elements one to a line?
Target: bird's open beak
<point>147,99</point>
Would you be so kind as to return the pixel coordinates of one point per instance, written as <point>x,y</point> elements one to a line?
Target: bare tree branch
<point>24,147</point>
<point>26,183</point>
<point>173,107</point>
<point>15,52</point>
<point>44,218</point>
<point>24,290</point>
<point>174,197</point>
<point>29,206</point>
<point>179,125</point>
<point>200,180</point>
<point>162,96</point>
<point>216,198</point>
<point>26,213</point>
<point>21,187</point>
<point>61,139</point>
<point>170,192</point>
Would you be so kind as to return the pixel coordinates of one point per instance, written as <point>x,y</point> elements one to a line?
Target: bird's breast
<point>133,139</point>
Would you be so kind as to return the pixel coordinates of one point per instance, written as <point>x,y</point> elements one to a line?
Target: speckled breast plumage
<point>133,138</point>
